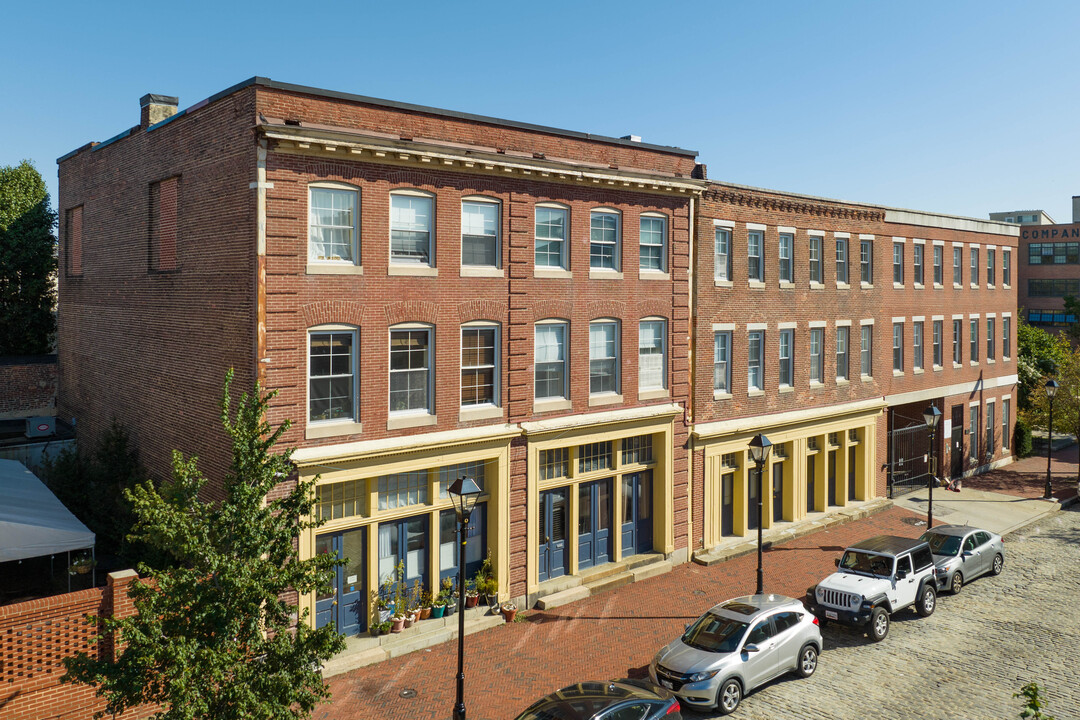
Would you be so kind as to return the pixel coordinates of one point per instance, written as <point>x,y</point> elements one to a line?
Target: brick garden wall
<point>29,386</point>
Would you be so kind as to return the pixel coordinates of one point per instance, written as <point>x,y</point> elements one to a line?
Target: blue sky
<point>955,107</point>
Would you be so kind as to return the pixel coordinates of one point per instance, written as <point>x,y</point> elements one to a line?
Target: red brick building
<point>434,294</point>
<point>1049,272</point>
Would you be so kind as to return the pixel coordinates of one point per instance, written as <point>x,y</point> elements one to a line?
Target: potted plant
<point>509,611</point>
<point>81,565</point>
<point>471,595</point>
<point>385,627</point>
<point>426,604</point>
<point>398,619</point>
<point>397,623</point>
<point>438,607</point>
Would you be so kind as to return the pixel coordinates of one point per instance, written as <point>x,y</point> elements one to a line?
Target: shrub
<point>1021,438</point>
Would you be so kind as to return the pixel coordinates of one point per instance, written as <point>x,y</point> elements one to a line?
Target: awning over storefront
<point>33,522</point>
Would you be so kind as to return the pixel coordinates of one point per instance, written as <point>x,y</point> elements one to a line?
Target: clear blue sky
<point>955,107</point>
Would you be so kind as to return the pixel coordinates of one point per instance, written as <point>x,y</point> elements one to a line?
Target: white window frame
<point>475,326</point>
<point>786,356</point>
<point>354,362</point>
<point>759,234</point>
<point>563,327</point>
<point>939,264</point>
<point>957,266</point>
<point>413,195</point>
<point>563,243</point>
<point>973,254</point>
<point>653,216</point>
<point>722,260</point>
<point>482,201</point>
<point>429,369</point>
<point>817,355</point>
<point>918,341</point>
<point>937,353</point>
<point>843,353</point>
<point>1006,337</point>
<point>866,261</point>
<point>815,243</point>
<point>973,332</point>
<point>991,339</point>
<point>918,264</point>
<point>722,346</point>
<point>898,263</point>
<point>1006,267</point>
<point>662,385</point>
<point>786,252</point>
<point>615,245</point>
<point>758,362</point>
<point>991,266</point>
<point>898,347</point>
<point>843,269</point>
<point>958,341</point>
<point>866,350</point>
<point>354,229</point>
<point>614,359</point>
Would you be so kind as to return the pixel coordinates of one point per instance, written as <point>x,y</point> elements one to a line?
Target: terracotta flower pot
<point>409,620</point>
<point>396,624</point>
<point>509,612</point>
<point>425,613</point>
<point>471,600</point>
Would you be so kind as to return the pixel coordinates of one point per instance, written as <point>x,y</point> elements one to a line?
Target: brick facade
<point>1042,285</point>
<point>29,386</point>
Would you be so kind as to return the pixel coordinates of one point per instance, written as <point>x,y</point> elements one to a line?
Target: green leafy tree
<point>27,262</point>
<point>214,637</point>
<point>1033,702</point>
<point>1067,398</point>
<point>1038,355</point>
<point>1072,331</point>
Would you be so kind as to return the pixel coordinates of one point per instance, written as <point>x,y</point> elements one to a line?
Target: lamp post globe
<point>760,447</point>
<point>931,416</point>
<point>464,493</point>
<point>1051,388</point>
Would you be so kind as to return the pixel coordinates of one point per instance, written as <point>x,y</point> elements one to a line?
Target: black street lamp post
<point>1051,390</point>
<point>931,416</point>
<point>463,492</point>
<point>759,453</point>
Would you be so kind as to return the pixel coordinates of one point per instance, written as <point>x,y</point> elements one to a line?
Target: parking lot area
<point>966,660</point>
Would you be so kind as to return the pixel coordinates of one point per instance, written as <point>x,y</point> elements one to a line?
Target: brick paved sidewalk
<point>610,635</point>
<point>1027,477</point>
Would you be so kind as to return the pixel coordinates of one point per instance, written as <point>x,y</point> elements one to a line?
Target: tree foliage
<point>1039,353</point>
<point>214,636</point>
<point>27,262</point>
<point>1067,398</point>
<point>1033,702</point>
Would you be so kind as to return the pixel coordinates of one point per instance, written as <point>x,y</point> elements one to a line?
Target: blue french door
<point>344,605</point>
<point>553,531</point>
<point>406,542</point>
<point>777,492</point>
<point>753,518</point>
<point>594,523</point>
<point>475,547</point>
<point>637,522</point>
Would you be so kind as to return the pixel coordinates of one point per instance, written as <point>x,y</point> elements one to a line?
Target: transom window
<point>403,489</point>
<point>338,500</point>
<point>604,239</point>
<point>479,375</point>
<point>653,241</point>
<point>637,450</point>
<point>331,375</point>
<point>550,361</point>
<point>410,370</point>
<point>603,357</point>
<point>594,456</point>
<point>411,222</point>
<point>479,233</point>
<point>476,469</point>
<point>652,358</point>
<point>333,224</point>
<point>551,226</point>
<point>554,463</point>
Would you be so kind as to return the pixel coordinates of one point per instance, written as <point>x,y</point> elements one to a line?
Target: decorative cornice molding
<point>733,196</point>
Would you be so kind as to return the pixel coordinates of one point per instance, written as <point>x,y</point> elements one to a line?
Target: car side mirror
<point>750,647</point>
<point>836,561</point>
<point>901,574</point>
<point>966,553</point>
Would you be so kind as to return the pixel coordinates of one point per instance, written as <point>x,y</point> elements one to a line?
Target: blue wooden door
<point>594,523</point>
<point>637,525</point>
<point>753,479</point>
<point>405,542</point>
<point>345,604</point>
<point>552,536</point>
<point>475,547</point>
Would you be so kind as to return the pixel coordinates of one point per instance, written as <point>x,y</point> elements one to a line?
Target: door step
<point>607,577</point>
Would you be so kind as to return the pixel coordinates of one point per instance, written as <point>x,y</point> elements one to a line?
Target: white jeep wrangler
<point>874,579</point>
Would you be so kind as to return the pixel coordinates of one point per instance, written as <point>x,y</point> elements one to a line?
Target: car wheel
<point>957,583</point>
<point>927,602</point>
<point>808,658</point>
<point>729,697</point>
<point>879,624</point>
<point>999,562</point>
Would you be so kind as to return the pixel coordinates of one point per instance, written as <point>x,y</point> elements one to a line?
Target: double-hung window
<point>898,263</point>
<point>957,340</point>
<point>787,369</point>
<point>815,259</point>
<point>652,355</point>
<point>866,351</point>
<point>550,361</point>
<point>938,329</point>
<point>973,328</point>
<point>817,355</point>
<point>898,347</point>
<point>1005,406</point>
<point>957,269</point>
<point>604,233</point>
<point>843,334</point>
<point>1006,337</point>
<point>551,224</point>
<point>479,365</point>
<point>1006,268</point>
<point>917,262</point>
<point>974,265</point>
<point>787,254</point>
<point>480,233</point>
<point>653,241</point>
<point>331,375</point>
<point>333,225</point>
<point>939,272</point>
<point>723,254</point>
<point>866,262</point>
<point>722,361</point>
<point>603,357</point>
<point>991,425</point>
<point>411,224</point>
<point>991,338</point>
<point>916,346</point>
<point>410,370</point>
<point>755,260</point>
<point>991,261</point>
<point>842,260</point>
<point>755,371</point>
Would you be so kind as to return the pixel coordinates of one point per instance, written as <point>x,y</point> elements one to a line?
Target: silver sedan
<point>963,553</point>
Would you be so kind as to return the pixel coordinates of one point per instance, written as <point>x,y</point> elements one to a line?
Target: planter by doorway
<point>471,600</point>
<point>509,612</point>
<point>438,611</point>
<point>397,624</point>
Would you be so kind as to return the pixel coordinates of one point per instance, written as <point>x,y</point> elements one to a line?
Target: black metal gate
<point>907,467</point>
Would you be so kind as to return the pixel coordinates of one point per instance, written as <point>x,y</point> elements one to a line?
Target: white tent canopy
<point>33,522</point>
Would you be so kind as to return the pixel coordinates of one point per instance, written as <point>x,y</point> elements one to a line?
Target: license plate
<point>830,614</point>
<point>666,683</point>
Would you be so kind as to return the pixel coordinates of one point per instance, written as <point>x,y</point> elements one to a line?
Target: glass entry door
<point>777,492</point>
<point>637,523</point>
<point>811,477</point>
<point>852,455</point>
<point>753,510</point>
<point>594,523</point>
<point>727,504</point>
<point>406,542</point>
<point>553,532</point>
<point>833,500</point>
<point>475,546</point>
<point>344,604</point>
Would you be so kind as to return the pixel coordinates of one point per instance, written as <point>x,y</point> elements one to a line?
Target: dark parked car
<point>612,700</point>
<point>962,553</point>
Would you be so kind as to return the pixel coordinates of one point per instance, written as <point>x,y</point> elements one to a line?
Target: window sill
<point>605,399</point>
<point>653,275</point>
<point>786,389</point>
<point>654,394</point>
<point>816,285</point>
<point>973,363</point>
<point>938,286</point>
<point>755,393</point>
<point>1006,286</point>
<point>721,395</point>
<point>957,366</point>
<point>840,382</point>
<point>723,283</point>
<point>842,286</point>
<point>957,286</point>
<point>866,285</point>
<point>551,404</point>
<point>974,286</point>
<point>336,269</point>
<point>898,373</point>
<point>786,285</point>
<point>332,429</point>
<point>989,287</point>
<point>917,371</point>
<point>1006,358</point>
<point>604,274</point>
<point>815,385</point>
<point>411,421</point>
<point>480,271</point>
<point>938,368</point>
<point>417,270</point>
<point>755,284</point>
<point>481,412</point>
<point>919,286</point>
<point>866,378</point>
<point>991,361</point>
<point>898,286</point>
<point>552,273</point>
